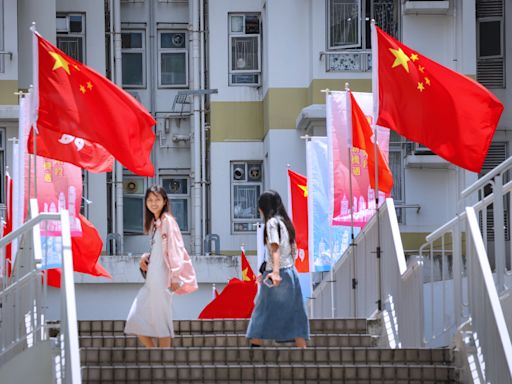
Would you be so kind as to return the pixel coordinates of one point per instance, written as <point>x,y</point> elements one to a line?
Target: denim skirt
<point>279,312</point>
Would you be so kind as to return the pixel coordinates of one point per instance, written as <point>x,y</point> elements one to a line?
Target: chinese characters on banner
<point>339,142</point>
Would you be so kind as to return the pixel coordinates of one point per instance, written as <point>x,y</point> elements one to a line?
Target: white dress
<point>151,311</point>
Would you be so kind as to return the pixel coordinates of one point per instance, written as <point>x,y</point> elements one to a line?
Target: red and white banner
<point>339,145</point>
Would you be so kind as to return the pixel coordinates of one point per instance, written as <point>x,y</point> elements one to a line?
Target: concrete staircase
<point>216,351</point>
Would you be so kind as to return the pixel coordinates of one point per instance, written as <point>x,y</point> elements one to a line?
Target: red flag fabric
<point>247,272</point>
<point>433,105</point>
<point>362,135</point>
<point>236,301</point>
<point>82,153</point>
<point>86,252</point>
<point>299,213</point>
<point>76,100</point>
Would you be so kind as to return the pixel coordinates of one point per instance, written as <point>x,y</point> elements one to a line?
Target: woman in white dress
<point>169,270</point>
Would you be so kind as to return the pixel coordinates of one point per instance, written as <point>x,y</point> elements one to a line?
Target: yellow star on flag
<point>89,85</point>
<point>60,62</point>
<point>421,69</point>
<point>427,81</point>
<point>400,58</point>
<point>304,188</point>
<point>82,89</point>
<point>414,57</point>
<point>244,275</point>
<point>421,87</point>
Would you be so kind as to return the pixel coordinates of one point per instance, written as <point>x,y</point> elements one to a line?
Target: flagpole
<point>348,108</point>
<point>375,143</point>
<point>34,102</point>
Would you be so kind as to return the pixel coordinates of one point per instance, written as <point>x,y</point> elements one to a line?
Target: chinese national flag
<point>299,213</point>
<point>82,153</point>
<point>236,301</point>
<point>362,138</point>
<point>86,252</point>
<point>7,226</point>
<point>76,100</point>
<point>247,272</point>
<point>430,104</point>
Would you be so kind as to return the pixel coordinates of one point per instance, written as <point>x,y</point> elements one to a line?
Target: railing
<point>347,61</point>
<point>23,299</point>
<point>356,291</point>
<point>488,323</point>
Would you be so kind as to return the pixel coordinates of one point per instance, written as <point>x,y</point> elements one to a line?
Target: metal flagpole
<point>348,108</point>
<point>35,101</point>
<point>375,86</point>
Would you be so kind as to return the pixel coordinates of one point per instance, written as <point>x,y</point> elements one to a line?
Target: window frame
<point>139,195</point>
<point>142,51</point>
<point>180,196</point>
<point>82,35</point>
<point>233,35</point>
<point>172,50</point>
<point>481,20</point>
<point>233,183</point>
<point>360,31</point>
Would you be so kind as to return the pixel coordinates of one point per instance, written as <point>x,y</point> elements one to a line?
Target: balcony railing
<point>347,61</point>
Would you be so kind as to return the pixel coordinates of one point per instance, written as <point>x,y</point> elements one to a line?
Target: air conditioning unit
<point>426,7</point>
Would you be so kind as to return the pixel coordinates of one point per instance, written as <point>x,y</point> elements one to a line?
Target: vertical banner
<point>298,209</point>
<point>339,136</point>
<point>327,242</point>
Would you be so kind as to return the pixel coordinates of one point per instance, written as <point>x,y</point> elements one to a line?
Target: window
<point>173,59</point>
<point>2,41</point>
<point>244,49</point>
<point>246,187</point>
<point>490,44</point>
<point>177,188</point>
<point>349,21</point>
<point>134,189</point>
<point>132,50</point>
<point>396,156</point>
<point>71,35</point>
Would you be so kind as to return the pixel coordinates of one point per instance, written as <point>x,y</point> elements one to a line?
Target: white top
<point>287,253</point>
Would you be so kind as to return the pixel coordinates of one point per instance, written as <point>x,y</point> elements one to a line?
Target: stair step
<point>104,327</point>
<point>229,340</point>
<point>271,373</point>
<point>281,355</point>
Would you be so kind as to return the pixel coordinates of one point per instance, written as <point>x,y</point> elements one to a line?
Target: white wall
<point>10,40</point>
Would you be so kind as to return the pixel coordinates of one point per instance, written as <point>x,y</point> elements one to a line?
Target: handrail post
<point>68,306</point>
<point>499,232</point>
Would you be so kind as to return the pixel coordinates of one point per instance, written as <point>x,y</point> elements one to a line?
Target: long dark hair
<point>148,216</point>
<point>271,205</point>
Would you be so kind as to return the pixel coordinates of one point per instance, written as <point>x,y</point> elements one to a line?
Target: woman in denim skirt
<point>279,313</point>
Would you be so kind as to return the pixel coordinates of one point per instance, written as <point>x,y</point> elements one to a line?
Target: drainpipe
<point>196,137</point>
<point>203,130</point>
<point>152,75</point>
<point>117,176</point>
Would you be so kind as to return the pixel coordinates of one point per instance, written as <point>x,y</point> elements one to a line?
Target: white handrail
<point>487,178</point>
<point>486,312</point>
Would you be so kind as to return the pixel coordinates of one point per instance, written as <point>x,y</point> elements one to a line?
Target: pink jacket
<point>176,256</point>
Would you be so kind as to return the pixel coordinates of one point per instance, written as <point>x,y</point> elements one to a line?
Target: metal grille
<point>489,8</point>
<point>244,53</point>
<point>71,46</point>
<point>491,72</point>
<point>344,22</point>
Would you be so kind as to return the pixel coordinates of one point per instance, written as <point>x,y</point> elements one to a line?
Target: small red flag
<point>76,100</point>
<point>362,138</point>
<point>236,301</point>
<point>82,153</point>
<point>299,203</point>
<point>247,272</point>
<point>86,252</point>
<point>8,224</point>
<point>433,105</point>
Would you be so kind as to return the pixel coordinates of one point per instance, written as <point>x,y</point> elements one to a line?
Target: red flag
<point>86,252</point>
<point>247,272</point>
<point>82,153</point>
<point>430,104</point>
<point>236,301</point>
<point>76,100</point>
<point>299,212</point>
<point>362,138</point>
